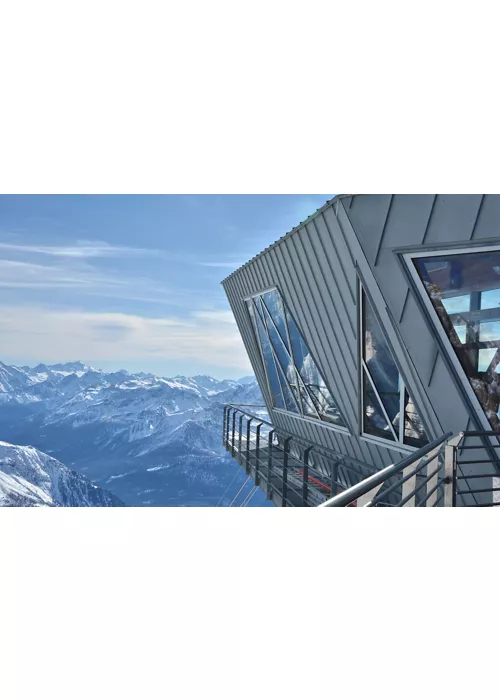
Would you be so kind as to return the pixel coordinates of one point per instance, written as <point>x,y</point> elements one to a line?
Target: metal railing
<point>460,470</point>
<point>443,473</point>
<point>477,472</point>
<point>292,471</point>
<point>424,478</point>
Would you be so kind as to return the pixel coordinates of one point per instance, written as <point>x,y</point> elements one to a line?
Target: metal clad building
<point>353,263</point>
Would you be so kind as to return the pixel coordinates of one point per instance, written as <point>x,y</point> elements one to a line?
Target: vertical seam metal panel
<point>382,234</point>
<point>429,219</point>
<point>479,210</point>
<point>332,279</point>
<point>321,332</point>
<point>295,301</point>
<point>337,244</point>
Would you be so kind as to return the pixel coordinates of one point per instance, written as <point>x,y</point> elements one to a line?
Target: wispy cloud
<point>42,333</point>
<point>87,250</point>
<point>88,281</point>
<point>233,265</point>
<point>83,249</point>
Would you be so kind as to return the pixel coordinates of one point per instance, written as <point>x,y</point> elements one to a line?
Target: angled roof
<point>328,203</point>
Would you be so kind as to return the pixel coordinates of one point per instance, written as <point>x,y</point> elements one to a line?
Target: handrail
<point>354,492</point>
<point>321,449</point>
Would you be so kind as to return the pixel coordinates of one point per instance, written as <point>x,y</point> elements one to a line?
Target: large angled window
<point>385,398</point>
<point>294,380</point>
<point>464,289</point>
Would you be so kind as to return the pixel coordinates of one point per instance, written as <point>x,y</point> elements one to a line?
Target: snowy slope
<point>29,477</point>
<point>151,440</point>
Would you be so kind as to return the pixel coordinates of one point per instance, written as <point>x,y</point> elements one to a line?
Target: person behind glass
<point>385,376</point>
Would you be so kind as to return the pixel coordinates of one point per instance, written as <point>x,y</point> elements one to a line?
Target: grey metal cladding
<point>453,218</point>
<point>313,267</point>
<point>423,222</point>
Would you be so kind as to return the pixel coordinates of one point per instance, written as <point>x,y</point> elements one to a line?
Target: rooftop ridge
<point>289,233</point>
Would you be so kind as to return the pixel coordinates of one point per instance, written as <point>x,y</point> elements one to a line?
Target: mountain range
<point>138,438</point>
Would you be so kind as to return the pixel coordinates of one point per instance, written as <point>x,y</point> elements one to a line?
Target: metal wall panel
<point>423,222</point>
<point>315,270</point>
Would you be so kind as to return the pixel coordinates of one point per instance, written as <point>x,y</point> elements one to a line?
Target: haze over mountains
<point>150,441</point>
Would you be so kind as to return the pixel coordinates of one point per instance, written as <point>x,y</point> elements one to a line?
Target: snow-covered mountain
<point>29,477</point>
<point>151,440</point>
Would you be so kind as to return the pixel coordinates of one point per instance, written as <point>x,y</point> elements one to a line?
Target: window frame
<point>300,415</point>
<point>433,319</point>
<point>398,443</point>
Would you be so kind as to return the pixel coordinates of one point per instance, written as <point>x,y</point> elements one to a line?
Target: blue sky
<point>132,281</point>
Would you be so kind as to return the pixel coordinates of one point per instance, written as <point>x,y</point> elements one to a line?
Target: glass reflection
<point>385,396</point>
<point>272,375</point>
<point>474,279</point>
<point>304,390</point>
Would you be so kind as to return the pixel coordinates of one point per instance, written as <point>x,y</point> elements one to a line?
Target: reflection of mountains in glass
<point>464,289</point>
<point>294,379</point>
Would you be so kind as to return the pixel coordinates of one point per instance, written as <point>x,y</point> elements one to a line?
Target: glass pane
<point>269,365</point>
<point>474,276</point>
<point>374,422</point>
<point>308,406</point>
<point>274,305</point>
<point>486,355</point>
<point>271,308</point>
<point>489,330</point>
<point>380,363</point>
<point>311,376</point>
<point>461,331</point>
<point>290,403</point>
<point>455,305</point>
<point>414,430</point>
<point>490,299</point>
<point>280,350</point>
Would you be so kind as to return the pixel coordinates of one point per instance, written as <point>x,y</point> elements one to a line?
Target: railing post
<point>432,466</point>
<point>450,472</point>
<point>335,477</point>
<point>409,485</point>
<point>228,423</point>
<point>257,453</point>
<point>224,426</point>
<point>269,463</point>
<point>234,428</point>
<point>240,430</point>
<point>305,480</point>
<point>247,460</point>
<point>284,477</point>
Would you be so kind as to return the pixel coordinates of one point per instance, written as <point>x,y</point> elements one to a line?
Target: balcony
<point>449,471</point>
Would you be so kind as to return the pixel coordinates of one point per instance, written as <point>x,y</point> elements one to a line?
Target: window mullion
<point>271,394</point>
<point>294,364</point>
<point>278,363</point>
<point>402,396</point>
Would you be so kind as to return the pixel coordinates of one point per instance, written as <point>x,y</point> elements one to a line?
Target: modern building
<point>373,329</point>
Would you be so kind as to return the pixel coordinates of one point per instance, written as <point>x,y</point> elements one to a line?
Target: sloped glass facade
<point>295,382</point>
<point>464,289</point>
<point>385,398</point>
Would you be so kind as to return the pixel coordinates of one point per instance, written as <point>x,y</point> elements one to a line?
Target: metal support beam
<point>450,472</point>
<point>305,480</point>
<point>334,479</point>
<point>284,479</point>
